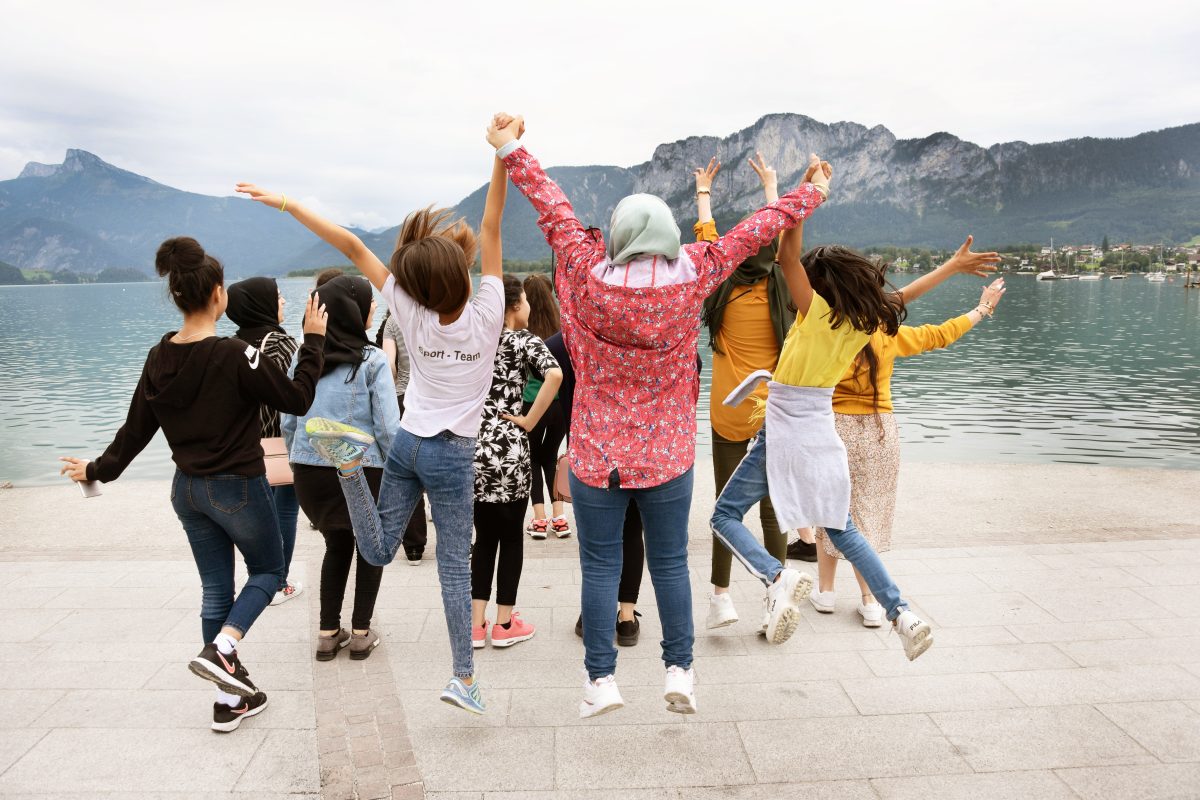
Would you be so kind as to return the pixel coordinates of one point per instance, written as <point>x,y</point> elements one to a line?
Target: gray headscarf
<point>642,224</point>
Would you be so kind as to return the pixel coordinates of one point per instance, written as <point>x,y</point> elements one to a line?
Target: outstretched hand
<point>74,468</point>
<point>316,318</point>
<point>818,173</point>
<point>260,195</point>
<point>766,174</point>
<point>504,129</point>
<point>704,177</point>
<point>992,294</point>
<point>971,263</point>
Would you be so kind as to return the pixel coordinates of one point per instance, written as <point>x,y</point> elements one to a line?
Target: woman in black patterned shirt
<point>256,307</point>
<point>503,473</point>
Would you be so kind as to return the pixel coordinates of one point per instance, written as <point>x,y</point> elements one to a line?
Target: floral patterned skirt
<point>873,451</point>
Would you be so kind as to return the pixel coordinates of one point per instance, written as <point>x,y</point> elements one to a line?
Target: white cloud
<point>379,107</point>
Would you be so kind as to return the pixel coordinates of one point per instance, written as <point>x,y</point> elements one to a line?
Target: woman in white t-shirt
<point>451,338</point>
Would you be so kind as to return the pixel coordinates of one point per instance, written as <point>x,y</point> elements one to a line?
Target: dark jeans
<point>417,533</point>
<point>321,497</point>
<point>287,509</point>
<point>544,441</point>
<point>600,519</point>
<point>221,514</point>
<point>498,527</point>
<point>726,456</point>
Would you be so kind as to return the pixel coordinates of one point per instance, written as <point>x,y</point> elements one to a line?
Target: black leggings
<point>633,556</point>
<point>498,528</point>
<point>320,495</point>
<point>544,441</point>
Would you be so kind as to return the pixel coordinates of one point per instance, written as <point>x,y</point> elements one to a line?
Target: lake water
<point>1086,373</point>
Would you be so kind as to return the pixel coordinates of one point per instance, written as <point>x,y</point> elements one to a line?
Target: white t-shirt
<point>450,366</point>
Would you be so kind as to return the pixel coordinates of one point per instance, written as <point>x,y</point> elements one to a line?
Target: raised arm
<point>335,235</point>
<point>715,261</point>
<point>704,180</point>
<point>502,130</point>
<point>963,261</point>
<point>575,248</point>
<point>791,247</point>
<point>911,341</point>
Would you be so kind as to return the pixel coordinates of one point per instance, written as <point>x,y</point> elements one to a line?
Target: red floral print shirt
<point>634,349</point>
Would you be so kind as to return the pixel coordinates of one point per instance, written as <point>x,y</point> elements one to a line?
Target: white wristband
<point>504,150</point>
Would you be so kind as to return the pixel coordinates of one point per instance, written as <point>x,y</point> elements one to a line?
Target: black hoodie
<point>205,396</point>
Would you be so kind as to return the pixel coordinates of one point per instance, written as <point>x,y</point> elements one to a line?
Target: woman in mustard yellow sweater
<point>862,405</point>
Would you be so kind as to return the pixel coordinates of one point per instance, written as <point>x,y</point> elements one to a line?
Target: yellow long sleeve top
<point>853,394</point>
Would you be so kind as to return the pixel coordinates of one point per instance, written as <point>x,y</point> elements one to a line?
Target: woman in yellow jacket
<point>862,405</point>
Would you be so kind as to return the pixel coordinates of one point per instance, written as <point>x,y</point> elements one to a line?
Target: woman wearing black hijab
<point>256,307</point>
<point>355,388</point>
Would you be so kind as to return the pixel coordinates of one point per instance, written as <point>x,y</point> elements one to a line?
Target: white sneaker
<point>290,590</point>
<point>680,690</point>
<point>599,697</point>
<point>783,603</point>
<point>914,632</point>
<point>825,602</point>
<point>766,618</point>
<point>871,613</point>
<point>721,611</point>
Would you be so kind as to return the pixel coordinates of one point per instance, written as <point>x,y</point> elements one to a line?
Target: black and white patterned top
<point>279,348</point>
<point>502,469</point>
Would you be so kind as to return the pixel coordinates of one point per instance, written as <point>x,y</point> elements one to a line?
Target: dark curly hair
<point>855,289</point>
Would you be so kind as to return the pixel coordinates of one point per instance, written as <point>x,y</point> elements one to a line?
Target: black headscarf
<point>749,272</point>
<point>254,308</point>
<point>347,300</point>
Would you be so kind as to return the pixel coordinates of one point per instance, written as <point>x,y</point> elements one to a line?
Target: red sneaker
<point>562,528</point>
<point>537,528</point>
<point>518,631</point>
<point>479,635</point>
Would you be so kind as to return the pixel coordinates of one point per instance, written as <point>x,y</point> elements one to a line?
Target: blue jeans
<point>287,509</point>
<point>746,487</point>
<point>221,514</point>
<point>443,467</point>
<point>600,524</point>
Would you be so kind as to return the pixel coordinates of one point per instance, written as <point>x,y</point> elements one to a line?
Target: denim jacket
<point>368,402</point>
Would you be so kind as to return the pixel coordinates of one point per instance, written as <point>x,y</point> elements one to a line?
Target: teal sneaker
<point>336,442</point>
<point>468,698</point>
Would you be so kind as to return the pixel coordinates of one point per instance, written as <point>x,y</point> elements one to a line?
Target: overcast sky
<point>369,109</point>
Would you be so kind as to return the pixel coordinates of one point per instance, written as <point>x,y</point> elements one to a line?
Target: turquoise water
<point>1088,373</point>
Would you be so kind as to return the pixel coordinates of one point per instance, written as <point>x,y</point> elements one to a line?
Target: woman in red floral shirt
<point>630,319</point>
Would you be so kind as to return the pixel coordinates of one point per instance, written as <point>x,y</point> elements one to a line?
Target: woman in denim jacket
<point>356,388</point>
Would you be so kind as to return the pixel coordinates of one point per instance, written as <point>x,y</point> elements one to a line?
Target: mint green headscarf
<point>642,225</point>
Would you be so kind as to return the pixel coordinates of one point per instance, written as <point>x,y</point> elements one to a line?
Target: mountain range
<point>86,214</point>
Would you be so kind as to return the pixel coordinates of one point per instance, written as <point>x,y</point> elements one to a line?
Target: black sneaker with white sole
<point>226,718</point>
<point>225,671</point>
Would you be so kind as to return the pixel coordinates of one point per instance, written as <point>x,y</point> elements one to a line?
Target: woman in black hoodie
<point>204,392</point>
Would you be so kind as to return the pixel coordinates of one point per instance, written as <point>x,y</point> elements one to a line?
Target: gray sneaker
<point>361,644</point>
<point>328,646</point>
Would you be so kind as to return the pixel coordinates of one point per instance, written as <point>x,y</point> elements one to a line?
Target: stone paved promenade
<point>1067,665</point>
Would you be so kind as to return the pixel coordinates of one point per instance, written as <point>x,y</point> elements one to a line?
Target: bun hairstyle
<point>855,289</point>
<point>433,256</point>
<point>512,292</point>
<point>191,273</point>
<point>544,320</point>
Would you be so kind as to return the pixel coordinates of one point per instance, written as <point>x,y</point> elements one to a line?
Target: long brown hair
<point>191,273</point>
<point>432,261</point>
<point>855,289</point>
<point>544,320</point>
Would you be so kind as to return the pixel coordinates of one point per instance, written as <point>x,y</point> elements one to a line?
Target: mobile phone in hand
<point>90,488</point>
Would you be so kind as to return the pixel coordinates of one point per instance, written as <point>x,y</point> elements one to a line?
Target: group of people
<point>468,397</point>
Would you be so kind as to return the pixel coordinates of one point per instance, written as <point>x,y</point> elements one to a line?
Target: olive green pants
<point>726,456</point>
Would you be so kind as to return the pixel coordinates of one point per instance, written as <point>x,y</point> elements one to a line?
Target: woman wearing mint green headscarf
<point>629,310</point>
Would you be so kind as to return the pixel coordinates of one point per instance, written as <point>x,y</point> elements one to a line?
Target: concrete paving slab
<point>1169,730</point>
<point>1179,650</point>
<point>1073,605</point>
<point>28,624</point>
<point>847,748</point>
<point>999,608</point>
<point>940,660</point>
<point>28,597</point>
<point>926,693</point>
<point>584,794</point>
<point>97,760</point>
<point>283,764</point>
<point>71,675</point>
<point>84,624</point>
<point>15,743</point>
<point>1038,738</point>
<point>1063,632</point>
<point>1107,684</point>
<point>1038,784</point>
<point>1148,782</point>
<point>465,759</point>
<point>650,756</point>
<point>173,709</point>
<point>1177,603</point>
<point>822,790</point>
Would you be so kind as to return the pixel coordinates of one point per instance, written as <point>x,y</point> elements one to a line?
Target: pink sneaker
<point>479,635</point>
<point>518,631</point>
